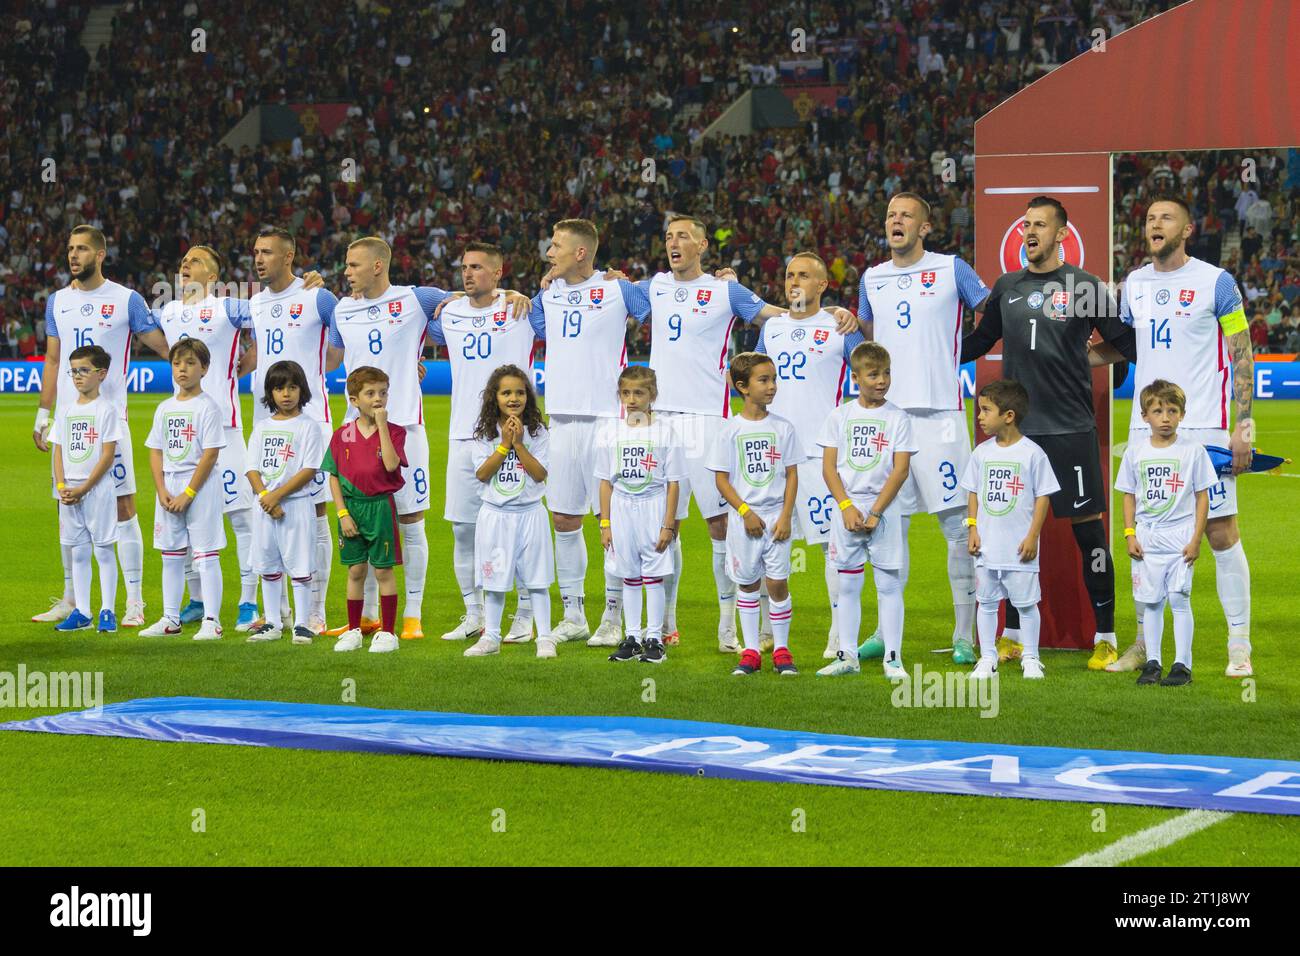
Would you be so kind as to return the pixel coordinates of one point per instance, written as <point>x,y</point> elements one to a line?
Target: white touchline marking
<point>1151,839</point>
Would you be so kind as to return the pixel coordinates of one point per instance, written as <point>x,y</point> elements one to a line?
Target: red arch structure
<point>1209,74</point>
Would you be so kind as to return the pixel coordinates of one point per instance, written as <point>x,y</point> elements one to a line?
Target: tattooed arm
<point>1243,390</point>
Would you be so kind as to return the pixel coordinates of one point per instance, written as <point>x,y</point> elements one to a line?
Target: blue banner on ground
<point>729,751</point>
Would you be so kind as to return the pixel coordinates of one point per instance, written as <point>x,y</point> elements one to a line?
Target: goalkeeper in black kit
<point>1045,314</point>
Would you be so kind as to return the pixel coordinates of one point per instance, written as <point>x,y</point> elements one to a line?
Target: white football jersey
<point>688,340</point>
<point>215,321</point>
<point>585,326</point>
<point>866,440</point>
<point>1179,320</point>
<point>478,341</point>
<point>510,487</point>
<point>280,448</point>
<point>81,430</point>
<point>639,461</point>
<point>291,326</point>
<point>387,333</point>
<point>106,316</point>
<point>755,456</point>
<point>812,364</point>
<point>1164,482</point>
<point>183,430</point>
<point>1007,480</point>
<point>916,314</point>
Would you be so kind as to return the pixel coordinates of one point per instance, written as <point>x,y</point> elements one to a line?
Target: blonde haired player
<point>185,442</point>
<point>1009,483</point>
<point>755,459</point>
<point>867,447</point>
<point>1166,480</point>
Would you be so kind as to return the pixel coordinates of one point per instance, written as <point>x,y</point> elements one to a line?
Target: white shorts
<point>634,523</point>
<point>232,473</point>
<point>414,495</point>
<point>572,487</point>
<point>992,585</point>
<point>121,477</point>
<point>286,545</point>
<point>511,544</point>
<point>92,520</point>
<point>883,548</point>
<point>462,497</point>
<point>1159,573</point>
<point>749,559</point>
<point>696,433</point>
<point>320,485</point>
<point>1223,493</point>
<point>813,506</point>
<point>943,448</point>
<point>200,526</point>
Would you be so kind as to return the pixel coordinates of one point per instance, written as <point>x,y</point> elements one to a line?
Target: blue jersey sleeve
<point>138,315</point>
<point>325,303</point>
<point>864,304</point>
<point>744,303</point>
<point>1227,298</point>
<point>852,341</point>
<point>643,284</point>
<point>970,287</point>
<point>51,328</point>
<point>1125,313</point>
<point>537,317</point>
<point>434,331</point>
<point>430,297</point>
<point>636,299</point>
<point>238,312</point>
<point>761,346</point>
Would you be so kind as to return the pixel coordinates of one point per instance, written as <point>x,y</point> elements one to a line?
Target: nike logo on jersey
<point>950,497</point>
<point>776,335</point>
<point>1218,506</point>
<point>881,286</point>
<point>1080,504</point>
<point>1016,299</point>
<point>1103,603</point>
<point>659,292</point>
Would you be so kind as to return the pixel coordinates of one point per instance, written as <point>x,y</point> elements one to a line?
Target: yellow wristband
<point>503,450</point>
<point>261,494</point>
<point>846,504</point>
<point>1130,532</point>
<point>190,491</point>
<point>60,486</point>
<point>604,522</point>
<point>343,513</point>
<point>970,522</point>
<point>743,509</point>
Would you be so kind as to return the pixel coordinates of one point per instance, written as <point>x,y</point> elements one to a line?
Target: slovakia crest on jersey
<point>927,279</point>
<point>1185,297</point>
<point>395,308</point>
<point>820,336</point>
<point>106,310</point>
<point>597,296</point>
<point>205,315</point>
<point>1060,301</point>
<point>498,319</point>
<point>703,296</point>
<point>295,310</point>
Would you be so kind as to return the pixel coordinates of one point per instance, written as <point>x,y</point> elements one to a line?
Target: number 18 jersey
<point>290,326</point>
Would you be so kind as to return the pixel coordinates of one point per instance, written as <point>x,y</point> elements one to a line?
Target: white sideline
<point>1151,839</point>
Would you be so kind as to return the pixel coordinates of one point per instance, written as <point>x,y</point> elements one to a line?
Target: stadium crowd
<point>496,145</point>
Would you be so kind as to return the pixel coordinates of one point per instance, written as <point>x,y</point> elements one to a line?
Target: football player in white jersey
<point>691,318</point>
<point>583,316</point>
<point>812,362</point>
<point>384,326</point>
<point>1191,329</point>
<point>480,334</point>
<point>912,305</point>
<point>93,310</point>
<point>290,323</point>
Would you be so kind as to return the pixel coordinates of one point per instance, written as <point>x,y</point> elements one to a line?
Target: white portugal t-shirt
<point>1165,482</point>
<point>511,488</point>
<point>755,456</point>
<point>1008,479</point>
<point>183,429</point>
<point>865,440</point>
<point>82,430</point>
<point>639,461</point>
<point>279,449</point>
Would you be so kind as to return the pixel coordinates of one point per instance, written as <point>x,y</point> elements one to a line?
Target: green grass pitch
<point>97,801</point>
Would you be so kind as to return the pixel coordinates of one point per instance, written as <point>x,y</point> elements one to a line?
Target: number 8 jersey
<point>291,326</point>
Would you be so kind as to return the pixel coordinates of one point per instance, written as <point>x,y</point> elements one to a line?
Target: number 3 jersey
<point>1165,482</point>
<point>291,326</point>
<point>754,455</point>
<point>280,448</point>
<point>865,440</point>
<point>1007,479</point>
<point>479,339</point>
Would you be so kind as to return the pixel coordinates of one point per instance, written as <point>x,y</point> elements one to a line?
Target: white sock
<point>1232,578</point>
<point>986,622</point>
<point>208,564</point>
<point>961,571</point>
<point>832,584</point>
<point>889,598</point>
<point>415,562</point>
<point>613,599</point>
<point>494,606</point>
<point>130,554</point>
<point>193,581</point>
<point>1153,619</point>
<point>81,554</point>
<point>462,562</point>
<point>654,608</point>
<point>173,581</point>
<point>320,574</point>
<point>107,561</point>
<point>1181,606</point>
<point>849,612</point>
<point>524,603</point>
<point>671,583</point>
<point>764,607</point>
<point>905,522</point>
<point>725,586</point>
<point>781,615</point>
<point>571,574</point>
<point>539,605</point>
<point>747,604</point>
<point>303,600</point>
<point>1030,627</point>
<point>272,592</point>
<point>65,556</point>
<point>632,609</point>
<point>1139,635</point>
<point>370,597</point>
<point>241,523</point>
